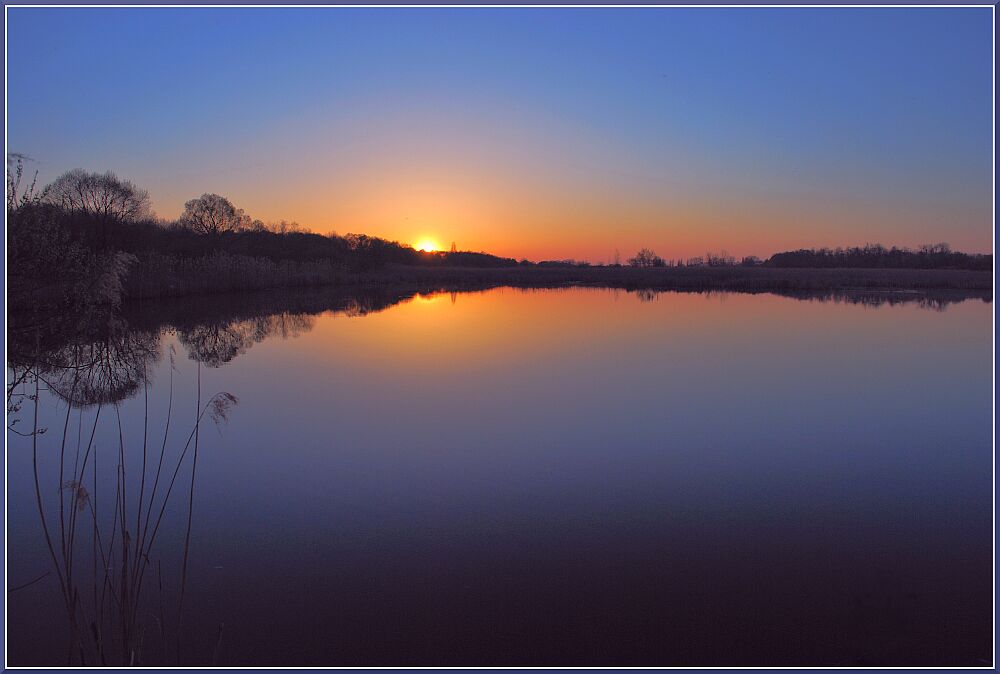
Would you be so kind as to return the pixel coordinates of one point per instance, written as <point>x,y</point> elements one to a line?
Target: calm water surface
<point>554,477</point>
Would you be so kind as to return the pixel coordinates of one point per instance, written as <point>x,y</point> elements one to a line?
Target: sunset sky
<point>538,133</point>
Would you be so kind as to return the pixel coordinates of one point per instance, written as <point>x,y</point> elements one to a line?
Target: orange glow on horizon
<point>526,185</point>
<point>457,181</point>
<point>427,245</point>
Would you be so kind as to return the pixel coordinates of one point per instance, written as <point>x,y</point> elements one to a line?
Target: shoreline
<point>738,279</point>
<point>374,293</point>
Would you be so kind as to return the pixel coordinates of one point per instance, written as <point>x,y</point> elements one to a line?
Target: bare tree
<point>281,227</point>
<point>103,196</point>
<point>722,259</point>
<point>18,195</point>
<point>212,214</point>
<point>646,258</point>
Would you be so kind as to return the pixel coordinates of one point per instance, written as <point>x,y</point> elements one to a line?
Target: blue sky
<point>537,132</point>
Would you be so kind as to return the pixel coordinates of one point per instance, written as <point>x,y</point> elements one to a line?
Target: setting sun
<point>705,310</point>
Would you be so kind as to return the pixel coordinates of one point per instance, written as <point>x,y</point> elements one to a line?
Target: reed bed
<point>158,275</point>
<point>106,599</point>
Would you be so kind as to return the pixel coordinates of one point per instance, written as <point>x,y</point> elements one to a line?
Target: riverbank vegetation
<point>91,240</point>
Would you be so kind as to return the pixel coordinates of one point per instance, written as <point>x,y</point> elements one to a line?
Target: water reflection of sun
<point>427,245</point>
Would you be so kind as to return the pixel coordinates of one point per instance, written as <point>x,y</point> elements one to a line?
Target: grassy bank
<point>164,276</point>
<point>749,279</point>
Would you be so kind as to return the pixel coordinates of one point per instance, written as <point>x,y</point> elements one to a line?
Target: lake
<point>514,477</point>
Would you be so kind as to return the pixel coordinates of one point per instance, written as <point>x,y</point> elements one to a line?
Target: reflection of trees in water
<point>90,363</point>
<point>98,365</point>
<point>363,305</point>
<point>106,370</point>
<point>930,300</point>
<point>933,300</point>
<point>106,360</point>
<point>647,294</point>
<point>216,344</point>
<point>287,325</point>
<point>100,563</point>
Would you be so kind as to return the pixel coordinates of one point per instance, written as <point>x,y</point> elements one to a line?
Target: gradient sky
<point>539,133</point>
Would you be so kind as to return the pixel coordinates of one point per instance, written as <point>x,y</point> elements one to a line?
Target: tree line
<point>877,256</point>
<point>105,212</point>
<point>93,237</point>
<point>648,258</point>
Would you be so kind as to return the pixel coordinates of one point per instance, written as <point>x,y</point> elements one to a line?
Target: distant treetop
<point>928,256</point>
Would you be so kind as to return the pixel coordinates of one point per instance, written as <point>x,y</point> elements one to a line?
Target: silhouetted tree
<point>103,198</point>
<point>646,258</point>
<point>19,195</point>
<point>51,270</point>
<point>212,214</point>
<point>877,256</point>
<point>935,249</point>
<point>469,259</point>
<point>722,259</point>
<point>282,227</point>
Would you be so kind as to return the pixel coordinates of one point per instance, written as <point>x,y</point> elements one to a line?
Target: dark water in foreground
<point>561,477</point>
